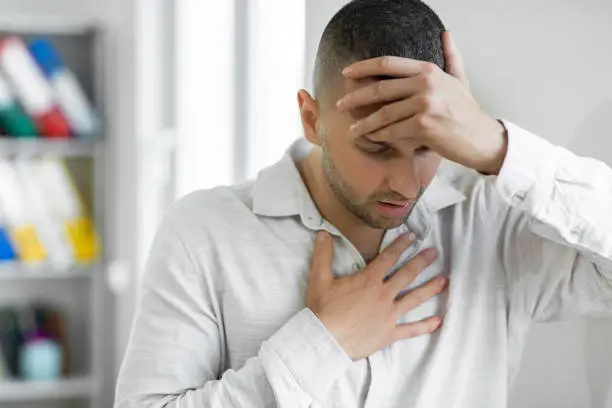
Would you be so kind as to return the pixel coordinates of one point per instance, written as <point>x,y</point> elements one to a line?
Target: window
<point>240,64</point>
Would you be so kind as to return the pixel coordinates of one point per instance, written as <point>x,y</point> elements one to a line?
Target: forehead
<point>351,85</point>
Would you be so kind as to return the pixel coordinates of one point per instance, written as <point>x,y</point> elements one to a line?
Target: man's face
<point>379,183</point>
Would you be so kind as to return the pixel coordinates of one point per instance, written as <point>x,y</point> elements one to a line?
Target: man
<point>324,282</point>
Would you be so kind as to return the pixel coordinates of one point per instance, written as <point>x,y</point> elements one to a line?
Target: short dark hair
<point>365,29</point>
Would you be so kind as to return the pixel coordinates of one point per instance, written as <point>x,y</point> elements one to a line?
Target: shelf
<point>15,391</point>
<point>48,24</point>
<point>17,271</point>
<point>42,147</point>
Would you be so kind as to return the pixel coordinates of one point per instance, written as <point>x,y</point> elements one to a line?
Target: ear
<point>309,112</point>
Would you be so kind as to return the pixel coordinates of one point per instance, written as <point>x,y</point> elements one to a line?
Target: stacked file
<point>42,219</point>
<point>39,94</point>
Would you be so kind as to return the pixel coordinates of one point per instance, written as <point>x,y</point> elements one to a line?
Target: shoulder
<point>220,208</point>
<point>482,197</point>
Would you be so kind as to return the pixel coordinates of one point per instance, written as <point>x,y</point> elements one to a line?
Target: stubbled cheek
<point>430,167</point>
<point>363,174</point>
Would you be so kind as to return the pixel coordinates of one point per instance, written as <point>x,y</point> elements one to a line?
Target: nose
<point>404,179</point>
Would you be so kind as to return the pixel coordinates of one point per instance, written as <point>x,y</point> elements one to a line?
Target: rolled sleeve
<point>556,237</point>
<point>308,351</point>
<point>526,179</point>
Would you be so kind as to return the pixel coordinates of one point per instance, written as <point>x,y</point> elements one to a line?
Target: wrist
<point>499,148</point>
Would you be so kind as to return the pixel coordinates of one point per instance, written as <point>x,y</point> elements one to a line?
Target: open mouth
<point>396,204</point>
<point>393,209</point>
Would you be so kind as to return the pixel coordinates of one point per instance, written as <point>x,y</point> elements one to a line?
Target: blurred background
<point>112,110</point>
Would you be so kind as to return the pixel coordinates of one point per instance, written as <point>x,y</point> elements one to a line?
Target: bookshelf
<point>36,147</point>
<point>19,272</point>
<point>76,387</point>
<point>79,291</point>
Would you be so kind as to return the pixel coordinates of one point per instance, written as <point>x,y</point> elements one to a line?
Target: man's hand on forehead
<point>426,105</point>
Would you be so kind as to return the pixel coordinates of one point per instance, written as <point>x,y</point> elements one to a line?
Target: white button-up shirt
<point>222,320</point>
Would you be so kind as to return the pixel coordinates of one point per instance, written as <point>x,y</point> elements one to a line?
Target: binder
<point>32,88</point>
<point>13,119</point>
<point>7,251</point>
<point>20,226</point>
<point>65,203</point>
<point>68,91</point>
<point>48,224</point>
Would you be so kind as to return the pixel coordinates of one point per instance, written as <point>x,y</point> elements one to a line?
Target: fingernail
<point>431,254</point>
<point>340,104</point>
<point>347,70</point>
<point>411,237</point>
<point>355,125</point>
<point>442,280</point>
<point>322,236</point>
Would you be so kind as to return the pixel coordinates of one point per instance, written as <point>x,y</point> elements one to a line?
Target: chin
<point>385,223</point>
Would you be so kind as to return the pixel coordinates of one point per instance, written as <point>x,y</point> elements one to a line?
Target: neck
<point>367,240</point>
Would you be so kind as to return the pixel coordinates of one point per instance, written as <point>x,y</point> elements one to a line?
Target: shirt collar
<point>279,191</point>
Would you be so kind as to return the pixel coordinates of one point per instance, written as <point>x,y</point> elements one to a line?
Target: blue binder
<point>7,252</point>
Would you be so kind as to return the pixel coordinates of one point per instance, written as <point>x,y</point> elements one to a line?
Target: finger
<point>407,274</point>
<point>453,59</point>
<point>417,297</point>
<point>385,116</point>
<point>413,128</point>
<point>386,66</point>
<point>415,329</point>
<point>389,257</point>
<point>380,91</point>
<point>323,254</point>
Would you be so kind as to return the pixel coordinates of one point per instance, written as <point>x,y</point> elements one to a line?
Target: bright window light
<point>277,37</point>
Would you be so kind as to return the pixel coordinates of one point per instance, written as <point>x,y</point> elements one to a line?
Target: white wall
<point>545,66</point>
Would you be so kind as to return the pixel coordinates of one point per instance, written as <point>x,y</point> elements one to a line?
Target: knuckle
<point>388,292</point>
<point>409,272</point>
<point>421,297</point>
<point>378,89</point>
<point>428,104</point>
<point>370,281</point>
<point>421,121</point>
<point>428,81</point>
<point>384,113</point>
<point>430,68</point>
<point>389,255</point>
<point>385,62</point>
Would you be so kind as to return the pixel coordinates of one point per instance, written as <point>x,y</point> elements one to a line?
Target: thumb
<point>453,59</point>
<point>323,254</point>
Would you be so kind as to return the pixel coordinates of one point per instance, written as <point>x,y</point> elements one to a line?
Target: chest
<point>265,283</point>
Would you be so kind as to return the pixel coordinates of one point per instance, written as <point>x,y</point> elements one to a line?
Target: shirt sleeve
<point>556,240</point>
<point>175,353</point>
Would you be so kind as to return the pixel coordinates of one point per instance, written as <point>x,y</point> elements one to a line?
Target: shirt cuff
<point>527,176</point>
<point>311,354</point>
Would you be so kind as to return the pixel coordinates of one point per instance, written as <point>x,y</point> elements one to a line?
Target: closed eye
<point>378,150</point>
<point>422,150</point>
